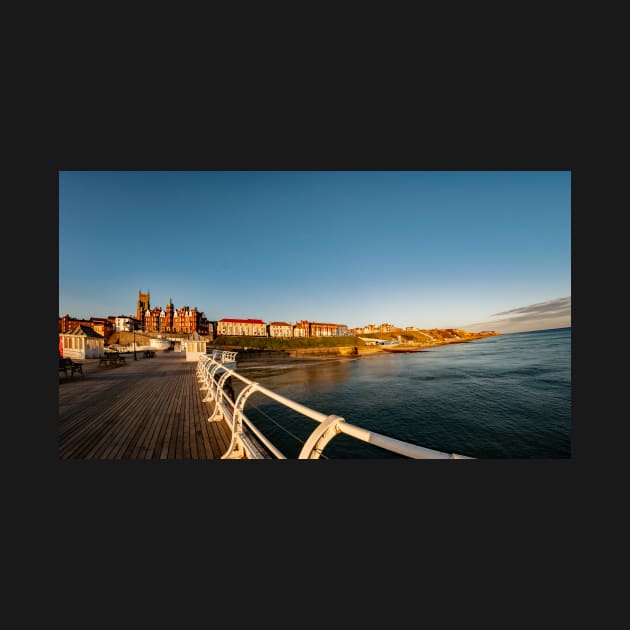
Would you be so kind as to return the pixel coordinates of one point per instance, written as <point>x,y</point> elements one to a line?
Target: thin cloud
<point>552,307</point>
<point>539,316</point>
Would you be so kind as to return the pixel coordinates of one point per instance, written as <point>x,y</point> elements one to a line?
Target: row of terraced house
<point>188,319</point>
<point>228,326</point>
<point>258,328</point>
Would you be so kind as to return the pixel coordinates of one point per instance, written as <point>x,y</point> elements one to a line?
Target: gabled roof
<point>85,331</point>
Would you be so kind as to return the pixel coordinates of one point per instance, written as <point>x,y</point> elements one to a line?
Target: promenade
<point>145,409</point>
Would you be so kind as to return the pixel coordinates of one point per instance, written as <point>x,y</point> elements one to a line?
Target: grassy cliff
<point>275,343</point>
<point>432,335</point>
<point>423,337</point>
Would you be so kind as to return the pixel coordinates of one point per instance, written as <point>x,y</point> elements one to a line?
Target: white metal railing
<point>222,356</point>
<point>217,366</point>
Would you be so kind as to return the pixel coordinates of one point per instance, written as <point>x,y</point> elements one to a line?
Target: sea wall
<point>294,353</point>
<point>323,352</point>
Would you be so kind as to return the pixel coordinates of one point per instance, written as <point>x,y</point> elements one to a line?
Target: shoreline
<point>269,357</point>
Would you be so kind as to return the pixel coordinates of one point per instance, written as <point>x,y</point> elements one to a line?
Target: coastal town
<point>313,314</point>
<point>188,320</point>
<point>169,384</point>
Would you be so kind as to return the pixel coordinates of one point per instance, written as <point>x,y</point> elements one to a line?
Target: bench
<point>112,359</point>
<point>149,354</point>
<point>66,365</point>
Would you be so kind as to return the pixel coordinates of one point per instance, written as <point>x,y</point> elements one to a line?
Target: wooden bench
<point>112,359</point>
<point>66,365</point>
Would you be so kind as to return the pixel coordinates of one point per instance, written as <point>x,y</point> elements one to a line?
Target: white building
<point>81,343</point>
<point>242,327</point>
<point>194,346</point>
<point>280,329</point>
<point>123,324</point>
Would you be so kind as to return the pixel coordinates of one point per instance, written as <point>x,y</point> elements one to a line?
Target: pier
<point>166,407</point>
<point>151,408</point>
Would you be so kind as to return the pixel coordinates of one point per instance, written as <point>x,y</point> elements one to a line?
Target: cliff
<point>431,336</point>
<point>264,349</point>
<point>255,348</point>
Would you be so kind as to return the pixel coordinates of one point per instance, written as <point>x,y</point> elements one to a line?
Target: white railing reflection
<point>217,367</point>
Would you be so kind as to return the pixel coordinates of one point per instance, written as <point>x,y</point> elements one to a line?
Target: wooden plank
<point>202,419</point>
<point>175,432</point>
<point>185,420</point>
<point>205,431</point>
<point>170,418</point>
<point>85,412</point>
<point>151,418</point>
<point>126,424</point>
<point>161,407</point>
<point>94,430</point>
<point>155,444</point>
<point>147,409</point>
<point>137,427</point>
<point>193,417</point>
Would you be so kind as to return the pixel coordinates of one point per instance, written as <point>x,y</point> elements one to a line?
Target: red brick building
<point>104,326</point>
<point>182,320</point>
<point>170,319</point>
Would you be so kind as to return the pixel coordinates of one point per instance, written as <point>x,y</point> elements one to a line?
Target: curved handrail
<point>213,370</point>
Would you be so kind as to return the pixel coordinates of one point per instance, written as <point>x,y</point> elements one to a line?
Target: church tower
<point>170,311</point>
<point>142,307</point>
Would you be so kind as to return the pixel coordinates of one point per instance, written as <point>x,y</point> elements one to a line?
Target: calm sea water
<point>500,397</point>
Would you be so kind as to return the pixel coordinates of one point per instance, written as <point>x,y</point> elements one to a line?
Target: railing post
<point>317,440</point>
<point>218,413</point>
<point>235,450</point>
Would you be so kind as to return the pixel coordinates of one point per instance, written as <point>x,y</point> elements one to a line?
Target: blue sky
<point>434,249</point>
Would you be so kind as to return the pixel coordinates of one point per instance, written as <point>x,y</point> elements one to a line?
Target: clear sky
<point>434,249</point>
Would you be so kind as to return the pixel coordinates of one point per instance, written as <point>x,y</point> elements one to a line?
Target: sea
<point>507,396</point>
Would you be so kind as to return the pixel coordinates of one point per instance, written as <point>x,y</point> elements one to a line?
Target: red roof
<point>242,321</point>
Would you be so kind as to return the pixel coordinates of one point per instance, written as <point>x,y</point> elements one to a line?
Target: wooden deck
<point>145,409</point>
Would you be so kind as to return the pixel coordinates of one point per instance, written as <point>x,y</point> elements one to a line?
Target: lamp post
<point>135,358</point>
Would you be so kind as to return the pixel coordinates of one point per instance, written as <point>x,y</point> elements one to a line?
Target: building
<point>372,329</point>
<point>194,347</point>
<point>104,326</point>
<point>301,329</point>
<point>125,323</point>
<point>258,328</point>
<point>143,305</point>
<point>82,342</point>
<point>172,320</point>
<point>67,323</point>
<point>190,320</point>
<point>280,329</point>
<point>318,329</point>
<point>242,327</point>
